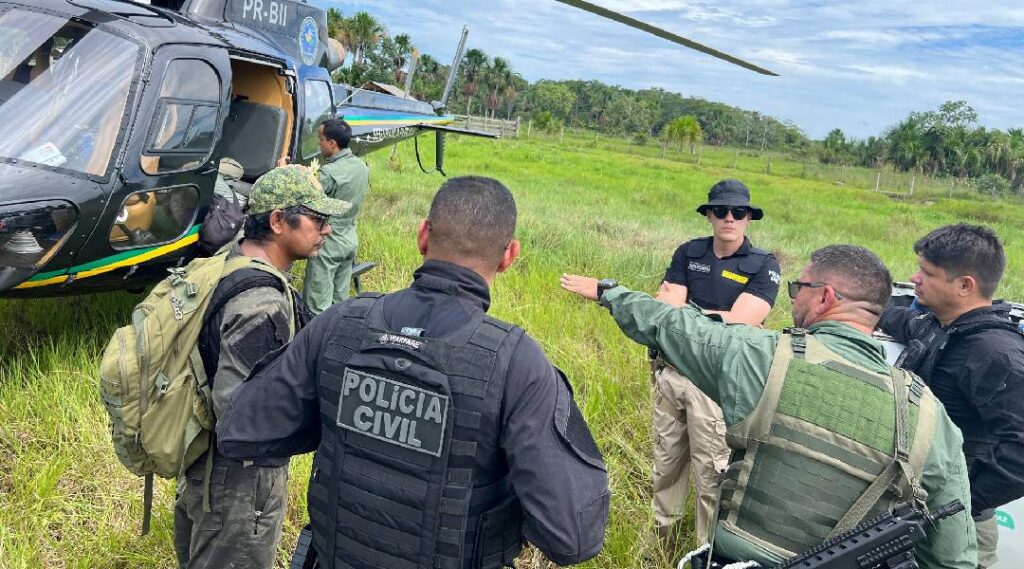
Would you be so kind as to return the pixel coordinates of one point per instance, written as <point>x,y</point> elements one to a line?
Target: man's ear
<point>511,253</point>
<point>277,222</point>
<point>967,286</point>
<point>423,236</point>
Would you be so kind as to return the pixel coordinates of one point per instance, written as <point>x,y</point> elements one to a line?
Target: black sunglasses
<point>794,288</point>
<point>721,211</point>
<point>321,220</point>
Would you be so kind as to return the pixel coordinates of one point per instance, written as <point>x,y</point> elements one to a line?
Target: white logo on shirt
<point>776,277</point>
<point>699,267</point>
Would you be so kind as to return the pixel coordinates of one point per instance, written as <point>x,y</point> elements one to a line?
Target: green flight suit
<point>343,176</point>
<point>706,351</point>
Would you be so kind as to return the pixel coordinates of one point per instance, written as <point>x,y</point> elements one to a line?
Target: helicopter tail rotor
<point>664,34</point>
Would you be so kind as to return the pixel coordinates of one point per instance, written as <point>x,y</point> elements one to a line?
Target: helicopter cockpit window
<point>63,91</point>
<point>318,108</point>
<point>154,217</point>
<point>185,124</point>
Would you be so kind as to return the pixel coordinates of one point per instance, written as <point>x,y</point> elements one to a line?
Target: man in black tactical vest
<point>968,351</point>
<point>444,437</point>
<point>722,274</point>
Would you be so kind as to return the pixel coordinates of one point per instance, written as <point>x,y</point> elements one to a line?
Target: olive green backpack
<point>152,380</point>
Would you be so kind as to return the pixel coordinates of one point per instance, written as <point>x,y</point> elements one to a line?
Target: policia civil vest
<point>824,448</point>
<point>409,473</point>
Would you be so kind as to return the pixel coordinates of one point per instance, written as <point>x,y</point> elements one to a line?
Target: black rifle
<point>305,555</point>
<point>886,542</point>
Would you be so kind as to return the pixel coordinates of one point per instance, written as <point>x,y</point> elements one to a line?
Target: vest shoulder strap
<point>359,307</point>
<point>698,247</point>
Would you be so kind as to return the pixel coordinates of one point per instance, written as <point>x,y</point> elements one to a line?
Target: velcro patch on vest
<point>393,412</point>
<point>735,277</point>
<point>397,340</point>
<point>699,267</point>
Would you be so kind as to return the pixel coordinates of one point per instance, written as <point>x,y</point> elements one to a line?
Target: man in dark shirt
<point>972,356</point>
<point>443,436</point>
<point>722,274</point>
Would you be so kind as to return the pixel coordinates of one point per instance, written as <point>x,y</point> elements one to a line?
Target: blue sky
<point>859,65</point>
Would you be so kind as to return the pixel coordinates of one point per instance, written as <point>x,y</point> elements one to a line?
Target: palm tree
<point>335,23</point>
<point>512,88</point>
<point>403,50</point>
<point>906,144</point>
<point>362,32</point>
<point>498,76</point>
<point>474,62</point>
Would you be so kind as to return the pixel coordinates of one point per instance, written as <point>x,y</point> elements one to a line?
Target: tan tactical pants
<point>988,539</point>
<point>688,431</point>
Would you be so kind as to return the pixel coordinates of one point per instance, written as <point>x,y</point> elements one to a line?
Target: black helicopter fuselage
<point>115,116</point>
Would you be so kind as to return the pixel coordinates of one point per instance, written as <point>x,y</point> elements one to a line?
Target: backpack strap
<point>232,285</point>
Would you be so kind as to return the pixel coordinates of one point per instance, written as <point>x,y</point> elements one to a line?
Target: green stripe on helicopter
<point>107,264</point>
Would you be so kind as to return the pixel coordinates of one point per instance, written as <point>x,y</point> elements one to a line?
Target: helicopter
<point>117,113</point>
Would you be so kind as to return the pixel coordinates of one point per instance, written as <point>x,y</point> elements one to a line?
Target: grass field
<point>598,208</point>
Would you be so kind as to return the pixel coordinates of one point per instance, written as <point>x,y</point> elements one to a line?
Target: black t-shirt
<point>715,284</point>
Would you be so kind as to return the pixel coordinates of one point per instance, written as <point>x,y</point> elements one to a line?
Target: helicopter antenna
<point>663,34</point>
<point>454,70</point>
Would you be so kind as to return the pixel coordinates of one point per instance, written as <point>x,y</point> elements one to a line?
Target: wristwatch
<point>604,285</point>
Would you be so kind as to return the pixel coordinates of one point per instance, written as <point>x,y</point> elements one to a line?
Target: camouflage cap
<point>290,186</point>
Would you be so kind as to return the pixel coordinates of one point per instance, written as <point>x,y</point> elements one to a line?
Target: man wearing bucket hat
<point>230,513</point>
<point>721,274</point>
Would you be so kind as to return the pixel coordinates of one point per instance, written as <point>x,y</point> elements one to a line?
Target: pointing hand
<point>583,286</point>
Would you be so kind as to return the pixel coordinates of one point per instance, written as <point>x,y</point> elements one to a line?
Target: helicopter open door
<point>261,118</point>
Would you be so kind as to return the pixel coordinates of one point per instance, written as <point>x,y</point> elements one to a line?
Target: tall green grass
<point>595,207</point>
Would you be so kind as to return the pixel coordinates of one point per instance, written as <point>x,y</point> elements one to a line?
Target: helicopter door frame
<point>171,111</point>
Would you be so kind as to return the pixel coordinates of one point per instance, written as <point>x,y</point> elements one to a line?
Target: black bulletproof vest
<point>928,340</point>
<point>410,473</point>
<point>713,283</point>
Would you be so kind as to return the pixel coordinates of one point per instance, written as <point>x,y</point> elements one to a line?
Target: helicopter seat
<point>254,136</point>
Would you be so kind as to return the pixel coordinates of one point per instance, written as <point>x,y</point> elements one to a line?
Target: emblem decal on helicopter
<point>309,41</point>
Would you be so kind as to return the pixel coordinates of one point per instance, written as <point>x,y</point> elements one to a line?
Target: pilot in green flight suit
<point>344,176</point>
<point>813,415</point>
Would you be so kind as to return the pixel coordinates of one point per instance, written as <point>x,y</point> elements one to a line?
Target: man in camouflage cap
<point>253,311</point>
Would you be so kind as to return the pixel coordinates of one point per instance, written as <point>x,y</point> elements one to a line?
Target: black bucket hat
<point>730,193</point>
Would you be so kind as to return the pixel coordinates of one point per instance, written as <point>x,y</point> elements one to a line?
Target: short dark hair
<point>337,130</point>
<point>257,227</point>
<point>962,249</point>
<point>472,217</point>
<point>861,275</point>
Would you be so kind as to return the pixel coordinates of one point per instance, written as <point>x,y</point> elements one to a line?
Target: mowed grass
<point>597,209</point>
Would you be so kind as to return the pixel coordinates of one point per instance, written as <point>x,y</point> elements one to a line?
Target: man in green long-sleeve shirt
<point>813,414</point>
<point>346,177</point>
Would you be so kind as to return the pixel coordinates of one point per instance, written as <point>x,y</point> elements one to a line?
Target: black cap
<point>730,193</point>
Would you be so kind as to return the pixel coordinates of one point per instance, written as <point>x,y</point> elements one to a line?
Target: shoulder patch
<point>260,340</point>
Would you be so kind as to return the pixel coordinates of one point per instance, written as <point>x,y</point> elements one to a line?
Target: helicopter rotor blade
<point>674,38</point>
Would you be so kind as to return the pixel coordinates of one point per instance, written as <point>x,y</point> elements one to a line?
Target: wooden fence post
<point>561,135</point>
<point>700,153</point>
<point>768,167</point>
<point>736,160</point>
<point>912,180</point>
<point>529,128</point>
<point>878,180</point>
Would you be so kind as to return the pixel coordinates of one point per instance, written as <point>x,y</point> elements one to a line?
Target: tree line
<point>491,87</point>
<point>945,142</point>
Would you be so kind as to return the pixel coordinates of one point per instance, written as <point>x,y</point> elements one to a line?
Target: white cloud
<point>859,66</point>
